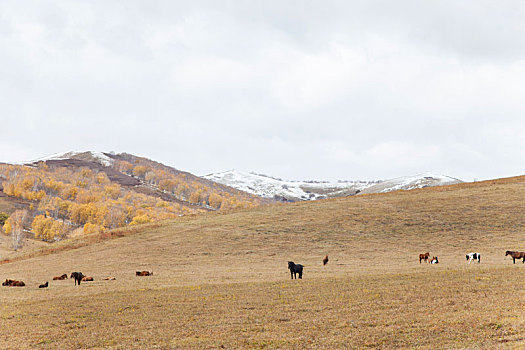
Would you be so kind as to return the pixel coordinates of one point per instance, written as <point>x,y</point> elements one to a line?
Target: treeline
<point>63,200</point>
<point>184,186</point>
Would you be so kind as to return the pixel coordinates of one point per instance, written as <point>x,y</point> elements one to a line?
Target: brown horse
<point>325,260</point>
<point>424,257</point>
<point>144,273</point>
<point>13,283</point>
<point>87,279</point>
<point>59,278</point>
<point>516,255</point>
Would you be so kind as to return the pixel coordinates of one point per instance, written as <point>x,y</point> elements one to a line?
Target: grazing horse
<point>473,256</point>
<point>45,285</point>
<point>434,260</point>
<point>87,279</point>
<point>144,273</point>
<point>295,269</point>
<point>77,276</point>
<point>424,257</point>
<point>516,255</point>
<point>59,278</point>
<point>325,260</point>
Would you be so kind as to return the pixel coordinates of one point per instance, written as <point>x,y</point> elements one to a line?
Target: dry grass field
<point>221,280</point>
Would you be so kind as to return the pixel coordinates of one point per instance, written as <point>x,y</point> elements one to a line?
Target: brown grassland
<point>221,280</point>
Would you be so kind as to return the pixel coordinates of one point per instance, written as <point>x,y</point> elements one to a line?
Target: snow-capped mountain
<point>269,187</point>
<point>98,157</point>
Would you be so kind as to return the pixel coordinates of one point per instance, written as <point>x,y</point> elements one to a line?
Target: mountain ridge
<point>271,187</point>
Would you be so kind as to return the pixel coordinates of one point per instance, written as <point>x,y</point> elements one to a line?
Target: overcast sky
<point>294,89</point>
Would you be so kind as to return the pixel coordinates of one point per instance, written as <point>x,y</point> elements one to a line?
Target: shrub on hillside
<point>3,218</point>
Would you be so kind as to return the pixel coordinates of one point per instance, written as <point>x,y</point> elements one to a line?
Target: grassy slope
<point>6,204</point>
<point>221,279</point>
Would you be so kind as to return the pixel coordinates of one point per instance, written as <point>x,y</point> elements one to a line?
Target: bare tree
<point>17,233</point>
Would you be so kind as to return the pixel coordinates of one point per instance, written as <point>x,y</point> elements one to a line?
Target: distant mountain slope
<point>152,178</point>
<point>411,182</point>
<point>269,187</point>
<point>183,185</point>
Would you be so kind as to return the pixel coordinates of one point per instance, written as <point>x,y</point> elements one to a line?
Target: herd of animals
<point>295,269</point>
<point>475,256</point>
<point>77,276</point>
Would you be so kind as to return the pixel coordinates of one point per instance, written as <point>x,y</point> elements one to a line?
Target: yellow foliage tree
<point>140,171</point>
<point>140,219</point>
<point>48,228</point>
<point>93,228</point>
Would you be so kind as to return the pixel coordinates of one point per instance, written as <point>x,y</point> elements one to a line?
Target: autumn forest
<point>80,196</point>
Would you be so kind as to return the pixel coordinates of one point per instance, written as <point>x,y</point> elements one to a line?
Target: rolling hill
<point>81,192</point>
<point>220,279</point>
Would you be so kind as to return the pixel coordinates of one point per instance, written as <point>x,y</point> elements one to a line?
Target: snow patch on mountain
<point>270,187</point>
<point>98,157</point>
<point>412,182</point>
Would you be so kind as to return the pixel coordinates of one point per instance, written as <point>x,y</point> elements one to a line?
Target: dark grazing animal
<point>77,276</point>
<point>473,256</point>
<point>295,269</point>
<point>45,285</point>
<point>59,278</point>
<point>144,273</point>
<point>87,279</point>
<point>516,255</point>
<point>325,260</point>
<point>13,283</point>
<point>434,260</point>
<point>424,257</point>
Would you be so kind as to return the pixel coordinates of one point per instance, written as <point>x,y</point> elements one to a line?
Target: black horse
<point>77,276</point>
<point>295,269</point>
<point>45,285</point>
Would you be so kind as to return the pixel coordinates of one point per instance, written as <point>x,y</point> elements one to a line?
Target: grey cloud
<point>295,89</point>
